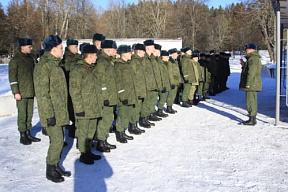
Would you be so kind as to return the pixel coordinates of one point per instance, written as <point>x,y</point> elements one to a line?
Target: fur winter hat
<point>164,53</point>
<point>157,46</point>
<point>185,49</point>
<point>22,41</point>
<point>140,46</point>
<point>251,46</point>
<point>71,42</point>
<point>51,41</point>
<point>124,49</point>
<point>98,37</point>
<point>171,51</point>
<point>82,45</point>
<point>148,42</point>
<point>86,49</point>
<point>108,44</point>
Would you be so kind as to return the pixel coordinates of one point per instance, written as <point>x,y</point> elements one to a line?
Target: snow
<point>203,148</point>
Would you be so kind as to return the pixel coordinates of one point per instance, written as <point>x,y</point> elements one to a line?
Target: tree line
<point>199,26</point>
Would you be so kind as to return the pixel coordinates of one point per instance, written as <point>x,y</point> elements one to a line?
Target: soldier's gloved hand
<point>125,102</point>
<point>81,114</point>
<point>172,86</point>
<point>186,81</point>
<point>140,98</point>
<point>164,90</point>
<point>106,103</point>
<point>51,122</point>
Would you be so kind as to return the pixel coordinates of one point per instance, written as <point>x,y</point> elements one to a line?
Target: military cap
<point>98,37</point>
<point>123,49</point>
<point>71,42</point>
<point>185,49</point>
<point>133,46</point>
<point>196,51</point>
<point>207,55</point>
<point>139,46</point>
<point>212,51</point>
<point>108,44</point>
<point>251,46</point>
<point>157,46</point>
<point>114,45</point>
<point>41,52</point>
<point>148,42</point>
<point>164,53</point>
<point>202,54</point>
<point>22,41</point>
<point>51,41</point>
<point>86,49</point>
<point>171,51</point>
<point>195,55</point>
<point>82,45</point>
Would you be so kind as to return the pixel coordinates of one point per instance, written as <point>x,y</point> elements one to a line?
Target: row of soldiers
<point>84,91</point>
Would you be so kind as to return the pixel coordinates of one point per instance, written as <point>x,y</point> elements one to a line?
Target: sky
<point>105,4</point>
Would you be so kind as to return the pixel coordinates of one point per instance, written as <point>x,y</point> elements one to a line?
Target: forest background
<point>200,27</point>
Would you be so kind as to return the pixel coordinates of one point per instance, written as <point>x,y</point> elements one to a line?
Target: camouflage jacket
<point>176,71</point>
<point>187,69</point>
<point>140,83</point>
<point>70,59</point>
<point>51,90</point>
<point>156,70</point>
<point>106,72</point>
<point>85,90</point>
<point>21,68</point>
<point>205,75</point>
<point>164,75</point>
<point>196,67</point>
<point>126,82</point>
<point>251,73</point>
<point>149,74</point>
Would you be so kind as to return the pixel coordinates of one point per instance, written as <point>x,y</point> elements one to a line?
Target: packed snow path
<point>203,148</point>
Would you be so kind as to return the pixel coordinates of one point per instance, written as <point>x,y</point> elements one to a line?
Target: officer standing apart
<point>51,92</point>
<point>251,81</point>
<point>21,68</point>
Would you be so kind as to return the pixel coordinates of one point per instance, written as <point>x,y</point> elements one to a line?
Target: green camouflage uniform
<point>204,79</point>
<point>188,75</point>
<point>165,83</point>
<point>106,72</point>
<point>136,64</point>
<point>195,83</point>
<point>126,90</point>
<point>51,93</point>
<point>85,90</point>
<point>151,85</point>
<point>21,68</point>
<point>251,75</point>
<point>157,75</point>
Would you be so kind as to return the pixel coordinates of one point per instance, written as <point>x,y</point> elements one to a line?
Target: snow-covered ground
<point>203,148</point>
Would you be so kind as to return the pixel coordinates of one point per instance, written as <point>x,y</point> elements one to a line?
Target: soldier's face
<point>57,51</point>
<point>189,52</point>
<point>157,52</point>
<point>73,48</point>
<point>165,58</point>
<point>174,55</point>
<point>93,57</point>
<point>140,53</point>
<point>26,49</point>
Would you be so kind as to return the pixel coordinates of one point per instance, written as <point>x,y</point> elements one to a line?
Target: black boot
<point>201,98</point>
<point>133,130</point>
<point>153,117</point>
<point>160,113</point>
<point>206,97</point>
<point>109,145</point>
<point>185,104</point>
<point>251,121</point>
<point>195,101</point>
<point>150,123</point>
<point>61,171</point>
<point>141,130</point>
<point>102,147</point>
<point>127,136</point>
<point>112,129</point>
<point>52,174</point>
<point>170,110</point>
<point>93,156</point>
<point>31,138</point>
<point>144,123</point>
<point>86,159</point>
<point>24,139</point>
<point>44,131</point>
<point>190,103</point>
<point>120,137</point>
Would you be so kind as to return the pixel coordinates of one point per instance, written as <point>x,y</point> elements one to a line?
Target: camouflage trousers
<point>171,96</point>
<point>86,130</point>
<point>105,123</point>
<point>25,114</point>
<point>162,100</point>
<point>136,112</point>
<point>251,103</point>
<point>203,88</point>
<point>186,91</point>
<point>124,117</point>
<point>56,136</point>
<point>149,103</point>
<point>192,92</point>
